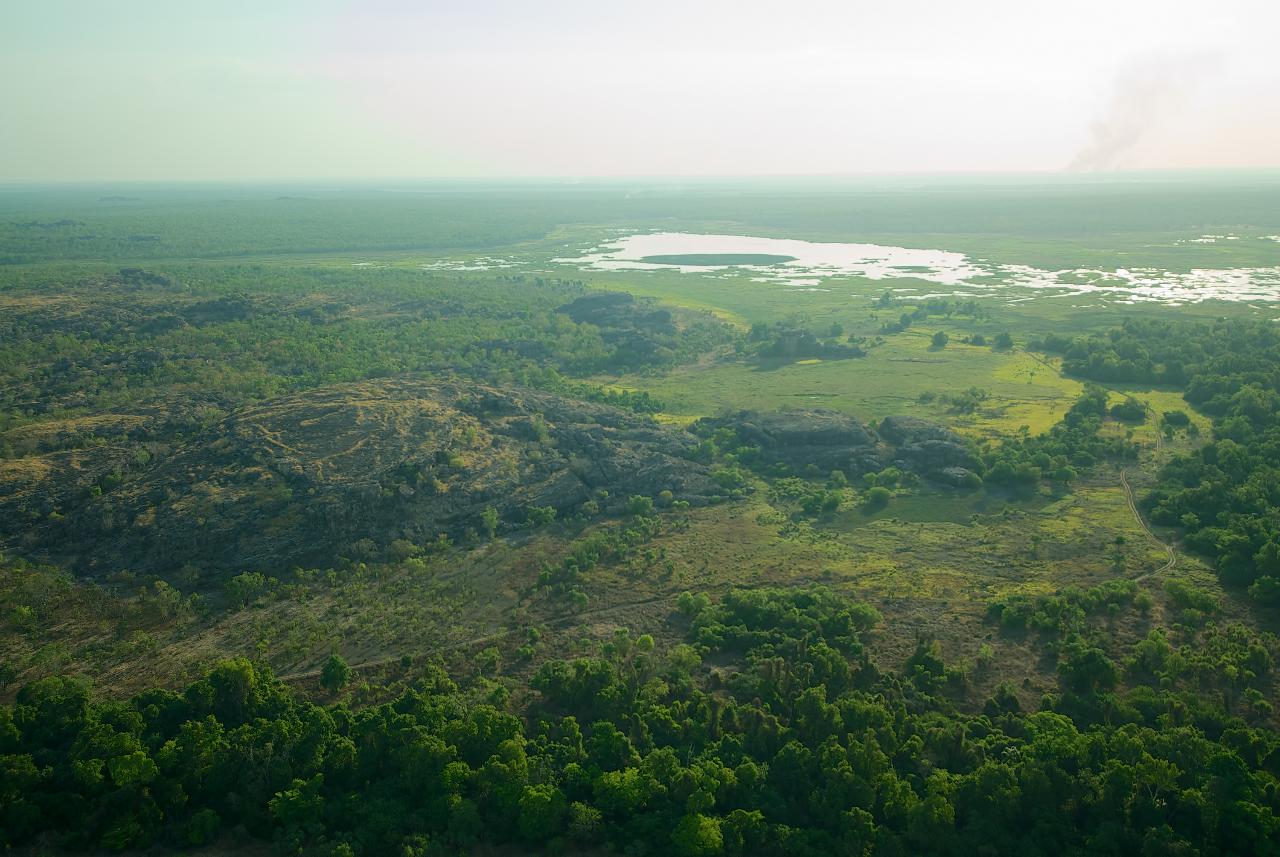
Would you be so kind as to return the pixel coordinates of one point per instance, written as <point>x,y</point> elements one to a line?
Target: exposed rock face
<point>927,448</point>
<point>904,430</point>
<point>297,480</point>
<point>828,440</point>
<point>958,476</point>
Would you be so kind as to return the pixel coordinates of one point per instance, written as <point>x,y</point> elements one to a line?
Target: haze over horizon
<point>151,91</point>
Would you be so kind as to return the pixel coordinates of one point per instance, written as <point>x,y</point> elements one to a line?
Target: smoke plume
<point>1146,97</point>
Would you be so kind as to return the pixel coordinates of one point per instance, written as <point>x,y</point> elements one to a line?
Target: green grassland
<point>890,381</point>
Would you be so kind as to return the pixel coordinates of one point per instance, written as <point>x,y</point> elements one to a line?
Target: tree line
<point>768,731</point>
<point>1224,495</point>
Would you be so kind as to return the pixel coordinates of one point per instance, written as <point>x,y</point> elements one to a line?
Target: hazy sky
<point>126,89</point>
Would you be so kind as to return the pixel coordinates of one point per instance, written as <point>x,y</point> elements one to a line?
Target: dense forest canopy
<point>793,743</point>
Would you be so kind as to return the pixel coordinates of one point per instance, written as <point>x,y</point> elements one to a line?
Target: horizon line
<point>562,179</point>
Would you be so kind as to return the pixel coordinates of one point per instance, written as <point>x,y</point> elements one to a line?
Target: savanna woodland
<point>874,517</point>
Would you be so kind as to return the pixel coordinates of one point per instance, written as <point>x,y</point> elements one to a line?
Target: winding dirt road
<point>1168,548</point>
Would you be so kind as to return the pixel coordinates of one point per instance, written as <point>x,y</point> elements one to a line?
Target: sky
<point>141,90</point>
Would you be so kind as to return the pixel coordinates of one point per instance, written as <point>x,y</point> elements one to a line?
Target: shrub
<point>640,505</point>
<point>877,498</point>
<point>540,516</point>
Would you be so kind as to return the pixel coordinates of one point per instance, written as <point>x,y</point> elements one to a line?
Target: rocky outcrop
<point>905,430</point>
<point>830,440</point>
<point>959,477</point>
<point>927,448</point>
<point>299,479</point>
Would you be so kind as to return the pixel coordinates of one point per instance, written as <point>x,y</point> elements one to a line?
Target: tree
<point>335,673</point>
<point>542,812</point>
<point>135,767</point>
<point>246,587</point>
<point>691,605</point>
<point>940,339</point>
<point>540,516</point>
<point>488,660</point>
<point>697,835</point>
<point>1084,668</point>
<point>489,520</point>
<point>1130,410</point>
<point>1002,342</point>
<point>640,505</point>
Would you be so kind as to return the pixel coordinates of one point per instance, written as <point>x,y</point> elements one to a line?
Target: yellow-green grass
<point>1148,435</point>
<point>927,543</point>
<point>931,560</point>
<point>891,380</point>
<point>1029,550</point>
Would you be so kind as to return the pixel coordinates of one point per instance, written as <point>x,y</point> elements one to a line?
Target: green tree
<point>697,835</point>
<point>489,520</point>
<point>640,505</point>
<point>135,767</point>
<point>543,809</point>
<point>335,673</point>
<point>540,516</point>
<point>246,587</point>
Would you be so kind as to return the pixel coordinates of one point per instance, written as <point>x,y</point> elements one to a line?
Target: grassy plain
<point>890,381</point>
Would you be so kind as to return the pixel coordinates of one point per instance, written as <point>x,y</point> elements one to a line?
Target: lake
<point>805,264</point>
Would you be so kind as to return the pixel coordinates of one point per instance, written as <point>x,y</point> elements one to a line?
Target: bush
<point>1266,590</point>
<point>877,498</point>
<point>1190,597</point>
<point>540,516</point>
<point>640,505</point>
<point>1130,411</point>
<point>729,477</point>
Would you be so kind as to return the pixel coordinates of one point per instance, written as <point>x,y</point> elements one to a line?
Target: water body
<point>805,264</point>
<point>717,260</point>
<point>480,263</point>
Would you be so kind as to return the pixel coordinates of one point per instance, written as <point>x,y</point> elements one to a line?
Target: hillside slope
<point>348,469</point>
